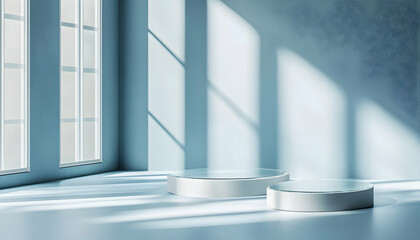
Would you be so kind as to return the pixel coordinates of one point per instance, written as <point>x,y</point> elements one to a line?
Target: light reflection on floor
<point>133,205</point>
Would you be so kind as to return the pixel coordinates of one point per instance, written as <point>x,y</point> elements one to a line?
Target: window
<point>14,87</point>
<point>80,82</point>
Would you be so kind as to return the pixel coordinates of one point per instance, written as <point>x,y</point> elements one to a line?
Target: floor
<point>135,205</point>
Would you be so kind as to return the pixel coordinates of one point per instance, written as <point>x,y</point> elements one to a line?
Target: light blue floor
<point>135,205</point>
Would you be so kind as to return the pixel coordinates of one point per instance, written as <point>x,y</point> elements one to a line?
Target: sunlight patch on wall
<point>312,120</point>
<point>232,141</point>
<point>164,153</point>
<point>166,84</point>
<point>233,66</point>
<point>167,20</point>
<point>166,89</point>
<point>386,148</point>
<point>166,103</point>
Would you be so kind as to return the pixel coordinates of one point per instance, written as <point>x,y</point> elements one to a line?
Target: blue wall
<point>337,86</point>
<point>195,83</point>
<point>44,96</point>
<point>322,89</point>
<point>133,73</point>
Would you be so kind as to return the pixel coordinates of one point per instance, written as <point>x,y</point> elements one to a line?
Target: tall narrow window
<point>80,82</point>
<point>14,86</point>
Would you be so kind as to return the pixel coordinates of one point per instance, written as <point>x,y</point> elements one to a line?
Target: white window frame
<point>79,161</point>
<point>26,159</point>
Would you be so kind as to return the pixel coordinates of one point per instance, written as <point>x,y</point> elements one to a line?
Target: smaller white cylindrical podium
<point>320,195</point>
<point>224,183</point>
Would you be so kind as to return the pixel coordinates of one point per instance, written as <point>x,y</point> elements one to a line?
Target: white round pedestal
<point>320,195</point>
<point>224,183</point>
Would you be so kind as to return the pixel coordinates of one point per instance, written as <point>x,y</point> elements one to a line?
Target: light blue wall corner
<point>133,85</point>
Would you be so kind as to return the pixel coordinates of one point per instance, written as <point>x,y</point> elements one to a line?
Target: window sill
<point>80,163</point>
<point>14,171</point>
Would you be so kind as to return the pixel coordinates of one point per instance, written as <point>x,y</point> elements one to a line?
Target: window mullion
<point>98,107</point>
<point>2,88</point>
<point>80,90</point>
<point>24,133</point>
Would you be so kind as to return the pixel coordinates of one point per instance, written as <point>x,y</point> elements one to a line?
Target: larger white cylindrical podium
<point>224,183</point>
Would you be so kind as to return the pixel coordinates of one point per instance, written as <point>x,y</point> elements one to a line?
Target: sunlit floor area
<point>136,205</point>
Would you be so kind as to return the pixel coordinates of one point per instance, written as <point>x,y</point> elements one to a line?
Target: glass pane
<point>68,142</point>
<point>14,7</point>
<point>13,146</point>
<point>76,147</point>
<point>90,140</point>
<point>69,44</point>
<point>68,95</point>
<point>69,11</point>
<point>13,94</point>
<point>14,41</point>
<point>90,12</point>
<point>89,49</point>
<point>90,95</point>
